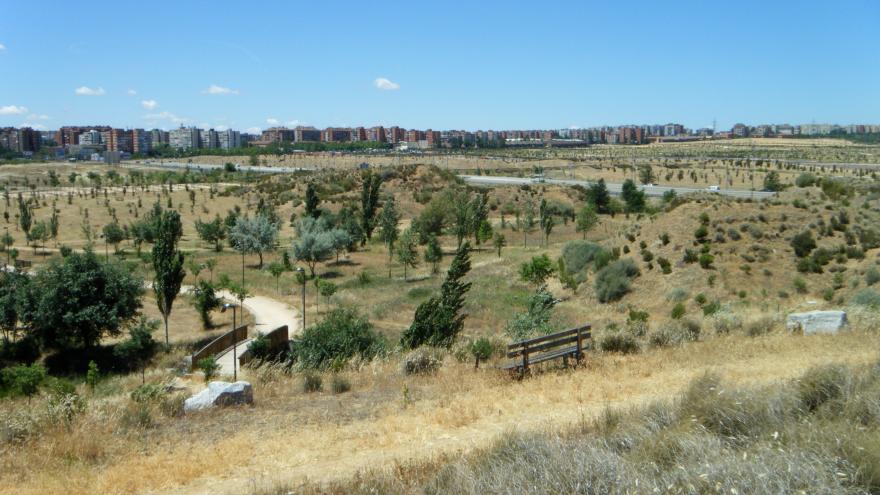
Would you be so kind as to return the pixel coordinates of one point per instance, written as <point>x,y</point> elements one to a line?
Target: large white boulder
<point>220,394</point>
<point>813,322</point>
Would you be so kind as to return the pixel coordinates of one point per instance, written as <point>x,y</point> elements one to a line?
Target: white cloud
<point>131,92</point>
<point>35,116</point>
<point>87,91</point>
<point>273,121</point>
<point>385,84</point>
<point>253,130</point>
<point>38,127</point>
<point>149,104</point>
<point>287,123</point>
<point>219,90</point>
<point>166,115</point>
<point>2,47</point>
<point>13,110</point>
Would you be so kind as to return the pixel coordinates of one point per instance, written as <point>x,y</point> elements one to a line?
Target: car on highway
<point>714,189</point>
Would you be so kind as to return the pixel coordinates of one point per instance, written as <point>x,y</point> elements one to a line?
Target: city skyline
<point>458,67</point>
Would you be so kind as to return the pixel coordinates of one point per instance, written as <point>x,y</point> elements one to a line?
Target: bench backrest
<point>550,341</point>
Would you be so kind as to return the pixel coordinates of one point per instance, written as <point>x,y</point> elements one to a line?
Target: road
<point>612,188</point>
<point>208,167</point>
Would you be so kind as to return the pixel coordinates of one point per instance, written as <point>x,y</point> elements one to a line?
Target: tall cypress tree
<point>437,321</point>
<point>167,263</point>
<point>369,204</point>
<point>312,201</point>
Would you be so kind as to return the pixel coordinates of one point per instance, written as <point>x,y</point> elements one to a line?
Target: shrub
<point>619,342</point>
<point>677,294</point>
<point>711,308</point>
<point>92,375</point>
<point>674,334</point>
<point>209,367</point>
<point>726,322</point>
<point>537,270</point>
<point>805,179</point>
<point>690,256</point>
<point>867,297</point>
<point>481,349</point>
<point>578,255</point>
<point>803,244</point>
<point>341,335</point>
<point>339,384</point>
<point>872,276</point>
<point>613,281</point>
<point>800,285</point>
<point>421,361</point>
<point>665,265</point>
<point>259,347</point>
<point>22,380</point>
<point>761,326</point>
<point>312,382</point>
<point>706,261</point>
<point>678,311</point>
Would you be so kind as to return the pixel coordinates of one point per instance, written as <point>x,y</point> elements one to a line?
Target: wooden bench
<point>564,344</point>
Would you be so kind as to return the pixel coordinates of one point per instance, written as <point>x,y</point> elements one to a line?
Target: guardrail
<point>220,344</point>
<point>278,340</point>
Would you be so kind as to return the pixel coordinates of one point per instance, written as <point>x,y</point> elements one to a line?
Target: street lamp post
<point>302,277</point>
<point>234,341</point>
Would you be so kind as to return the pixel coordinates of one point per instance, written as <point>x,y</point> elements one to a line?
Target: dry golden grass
<point>289,436</point>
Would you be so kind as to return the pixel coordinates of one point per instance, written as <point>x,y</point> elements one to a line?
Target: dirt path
<point>269,314</point>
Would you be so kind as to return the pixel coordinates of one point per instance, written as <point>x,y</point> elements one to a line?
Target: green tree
<point>276,269</point>
<point>437,321</point>
<point>646,174</point>
<point>536,318</point>
<point>340,336</point>
<point>39,234</point>
<point>528,223</point>
<point>168,264</point>
<point>499,241</point>
<point>803,244</point>
<point>205,300</point>
<point>325,288</point>
<point>370,186</point>
<point>537,270</point>
<point>15,299</point>
<point>481,350</point>
<point>407,251</point>
<point>586,219</point>
<point>388,229</point>
<point>254,235</point>
<point>314,243</point>
<point>312,201</point>
<point>212,231</point>
<point>634,199</point>
<point>772,182</point>
<point>598,196</point>
<point>140,347</point>
<point>113,235</point>
<point>433,253</point>
<point>24,380</point>
<point>53,224</point>
<point>25,218</point>
<point>79,299</point>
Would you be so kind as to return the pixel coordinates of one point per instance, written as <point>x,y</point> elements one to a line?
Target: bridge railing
<point>278,340</point>
<point>220,344</point>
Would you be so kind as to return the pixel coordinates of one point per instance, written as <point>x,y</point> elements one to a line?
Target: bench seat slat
<point>546,345</point>
<point>543,338</point>
<point>570,351</point>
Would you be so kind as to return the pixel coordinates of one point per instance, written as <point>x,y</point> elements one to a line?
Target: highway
<point>487,180</point>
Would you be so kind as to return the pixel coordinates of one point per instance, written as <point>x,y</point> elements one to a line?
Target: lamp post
<point>234,340</point>
<point>302,277</point>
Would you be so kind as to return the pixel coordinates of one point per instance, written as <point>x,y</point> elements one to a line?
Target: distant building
<point>229,139</point>
<point>303,134</point>
<point>184,138</point>
<point>141,141</point>
<point>740,130</point>
<point>92,137</point>
<point>209,140</point>
<point>21,140</point>
<point>158,137</point>
<point>377,134</point>
<point>333,134</point>
<point>278,135</point>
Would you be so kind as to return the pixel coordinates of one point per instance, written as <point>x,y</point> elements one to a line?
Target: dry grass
<point>290,436</point>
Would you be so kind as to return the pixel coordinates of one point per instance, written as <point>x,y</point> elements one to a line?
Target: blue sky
<point>448,65</point>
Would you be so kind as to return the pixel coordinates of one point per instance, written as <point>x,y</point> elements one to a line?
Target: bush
<point>677,294</point>
<point>678,311</point>
<point>340,336</point>
<point>312,382</point>
<point>665,265</point>
<point>22,380</point>
<point>800,285</point>
<point>821,384</point>
<point>578,255</point>
<point>339,384</point>
<point>706,261</point>
<point>421,361</point>
<point>613,281</point>
<point>761,326</point>
<point>872,276</point>
<point>537,270</point>
<point>690,256</point>
<point>619,342</point>
<point>209,367</point>
<point>481,349</point>
<point>726,322</point>
<point>805,179</point>
<point>803,244</point>
<point>867,297</point>
<point>259,347</point>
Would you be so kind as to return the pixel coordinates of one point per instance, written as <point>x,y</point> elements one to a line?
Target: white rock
<point>813,322</point>
<point>220,394</point>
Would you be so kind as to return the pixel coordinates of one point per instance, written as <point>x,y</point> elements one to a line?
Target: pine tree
<point>433,253</point>
<point>312,201</point>
<point>25,219</point>
<point>388,230</point>
<point>437,321</point>
<point>407,252</point>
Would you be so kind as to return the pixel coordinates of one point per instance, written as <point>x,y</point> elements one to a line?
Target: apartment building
<point>184,138</point>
